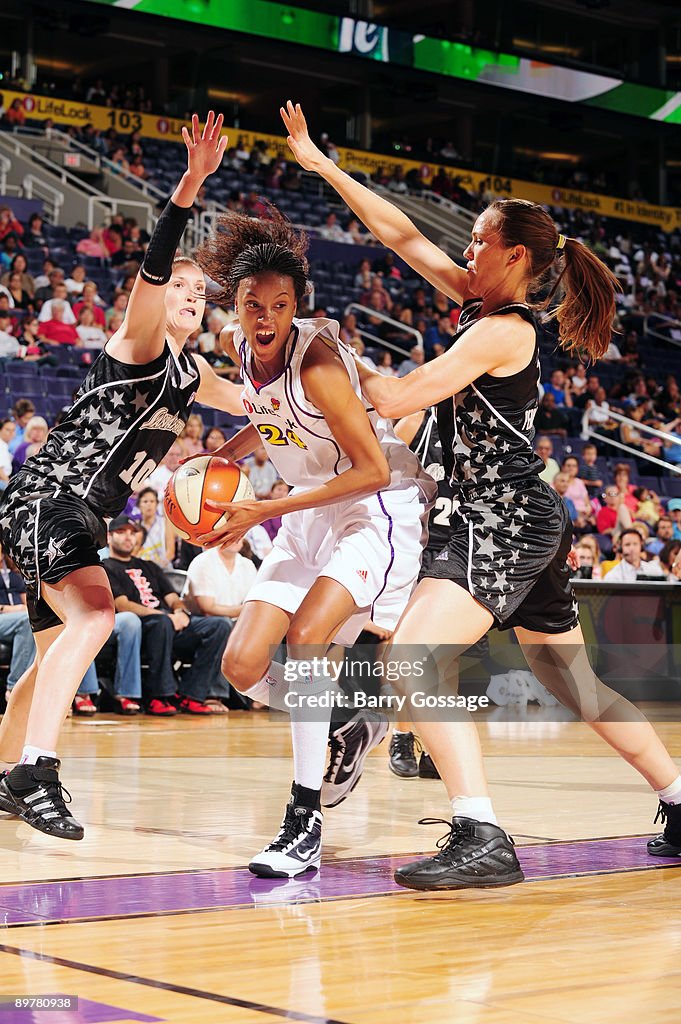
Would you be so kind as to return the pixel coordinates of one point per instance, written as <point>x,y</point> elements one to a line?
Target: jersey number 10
<point>138,472</point>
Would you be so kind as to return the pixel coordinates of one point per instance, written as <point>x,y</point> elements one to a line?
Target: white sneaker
<point>350,744</point>
<point>296,849</point>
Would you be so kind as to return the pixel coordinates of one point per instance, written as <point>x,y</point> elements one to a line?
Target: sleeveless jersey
<point>427,447</point>
<point>295,434</point>
<point>487,429</point>
<point>122,423</point>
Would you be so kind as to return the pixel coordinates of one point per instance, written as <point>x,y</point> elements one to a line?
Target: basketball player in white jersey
<point>351,539</point>
<point>128,411</point>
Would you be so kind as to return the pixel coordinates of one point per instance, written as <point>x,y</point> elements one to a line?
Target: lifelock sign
<point>364,39</point>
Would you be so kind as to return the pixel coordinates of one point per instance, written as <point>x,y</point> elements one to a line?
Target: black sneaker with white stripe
<point>473,855</point>
<point>34,792</point>
<point>669,843</point>
<point>350,744</point>
<point>296,849</point>
<point>6,803</point>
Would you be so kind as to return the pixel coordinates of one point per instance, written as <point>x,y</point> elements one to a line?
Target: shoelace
<point>661,814</point>
<point>455,835</point>
<point>406,744</point>
<point>290,827</point>
<point>337,750</point>
<point>58,794</point>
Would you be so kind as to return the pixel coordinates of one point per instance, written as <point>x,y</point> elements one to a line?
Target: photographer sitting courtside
<point>169,631</point>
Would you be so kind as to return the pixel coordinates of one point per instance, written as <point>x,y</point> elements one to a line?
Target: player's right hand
<point>204,149</point>
<point>303,148</point>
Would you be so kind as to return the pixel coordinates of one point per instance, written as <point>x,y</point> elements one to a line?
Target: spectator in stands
<point>118,306</point>
<point>332,230</point>
<point>114,321</point>
<point>60,295</point>
<point>597,415</point>
<point>358,345</point>
<point>75,283</point>
<point>209,340</point>
<point>7,431</point>
<point>549,419</point>
<point>589,555</point>
<point>56,331</point>
<point>631,436</point>
<point>90,334</point>
<point>632,566</point>
<point>622,478</point>
<point>169,631</point>
<point>576,490</point>
<point>674,510</point>
<point>94,245</point>
<point>128,257</point>
<point>649,506</point>
<point>20,266</point>
<point>560,484</point>
<point>589,471</point>
<point>668,402</point>
<point>9,225</point>
<point>670,560</point>
<point>577,380</point>
<point>191,436</point>
<point>15,629</point>
<point>9,346</point>
<point>416,358</point>
<point>35,436</point>
<point>20,298</point>
<point>35,236</point>
<point>262,473</point>
<point>614,516</point>
<point>158,545</point>
<point>544,449</point>
<point>22,412</point>
<point>384,364</point>
<point>137,167</point>
<point>364,276</point>
<point>218,582</point>
<point>90,300</point>
<point>112,237</point>
<point>612,354</point>
<point>213,438</point>
<point>664,532</point>
<point>45,292</point>
<point>556,387</point>
<point>119,161</point>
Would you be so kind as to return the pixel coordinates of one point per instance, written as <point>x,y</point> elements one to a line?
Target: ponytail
<point>587,310</point>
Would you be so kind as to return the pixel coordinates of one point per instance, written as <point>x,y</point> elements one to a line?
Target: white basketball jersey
<point>295,434</point>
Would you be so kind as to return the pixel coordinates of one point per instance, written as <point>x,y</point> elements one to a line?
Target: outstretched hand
<point>303,148</point>
<point>242,517</point>
<point>204,149</point>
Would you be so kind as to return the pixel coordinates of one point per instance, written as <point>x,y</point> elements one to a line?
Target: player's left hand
<point>243,516</point>
<point>573,559</point>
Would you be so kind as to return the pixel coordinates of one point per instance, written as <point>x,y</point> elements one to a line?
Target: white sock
<point>309,726</point>
<point>671,794</point>
<point>477,807</point>
<point>271,689</point>
<point>30,755</point>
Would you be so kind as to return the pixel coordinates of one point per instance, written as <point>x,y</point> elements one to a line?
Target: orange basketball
<point>207,478</point>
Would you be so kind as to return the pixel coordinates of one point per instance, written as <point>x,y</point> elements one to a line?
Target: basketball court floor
<point>155,917</point>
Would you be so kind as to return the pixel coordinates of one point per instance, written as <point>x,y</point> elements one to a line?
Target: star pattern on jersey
<point>55,549</point>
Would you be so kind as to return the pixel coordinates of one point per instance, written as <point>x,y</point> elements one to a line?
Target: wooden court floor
<point>154,917</point>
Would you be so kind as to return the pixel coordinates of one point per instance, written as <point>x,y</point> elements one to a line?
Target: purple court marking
<point>88,1012</point>
<point>41,902</point>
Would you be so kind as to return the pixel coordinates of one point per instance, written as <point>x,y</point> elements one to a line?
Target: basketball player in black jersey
<point>505,561</point>
<point>132,405</point>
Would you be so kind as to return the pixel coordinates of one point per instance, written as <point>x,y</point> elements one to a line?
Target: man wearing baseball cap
<point>169,631</point>
<point>674,510</point>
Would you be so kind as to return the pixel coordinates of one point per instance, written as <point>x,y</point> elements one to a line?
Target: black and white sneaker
<point>296,849</point>
<point>473,855</point>
<point>34,792</point>
<point>350,744</point>
<point>402,755</point>
<point>669,843</point>
<point>427,769</point>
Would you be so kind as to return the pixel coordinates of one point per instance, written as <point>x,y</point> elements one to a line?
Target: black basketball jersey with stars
<point>123,422</point>
<point>487,429</point>
<point>428,447</point>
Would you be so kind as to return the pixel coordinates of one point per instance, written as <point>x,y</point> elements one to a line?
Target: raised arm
<point>141,337</point>
<point>390,226</point>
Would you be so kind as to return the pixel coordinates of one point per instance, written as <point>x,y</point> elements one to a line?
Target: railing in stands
<point>589,433</point>
<point>52,198</point>
<point>373,339</point>
<point>113,204</point>
<point>666,322</point>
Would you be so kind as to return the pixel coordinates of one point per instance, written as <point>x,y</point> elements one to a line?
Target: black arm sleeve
<point>158,261</point>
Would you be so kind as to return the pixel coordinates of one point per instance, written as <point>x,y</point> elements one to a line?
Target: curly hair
<point>243,246</point>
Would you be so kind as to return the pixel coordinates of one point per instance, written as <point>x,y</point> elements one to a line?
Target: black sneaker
<point>350,744</point>
<point>473,855</point>
<point>34,792</point>
<point>669,843</point>
<point>402,759</point>
<point>296,849</point>
<point>427,769</point>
